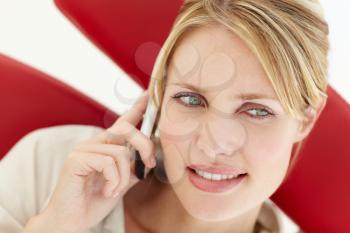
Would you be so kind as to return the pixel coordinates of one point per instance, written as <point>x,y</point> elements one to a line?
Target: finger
<point>141,143</point>
<point>87,162</point>
<point>135,113</point>
<point>128,133</point>
<point>132,116</point>
<point>112,150</point>
<point>120,154</point>
<point>126,166</point>
<point>111,135</point>
<point>132,180</point>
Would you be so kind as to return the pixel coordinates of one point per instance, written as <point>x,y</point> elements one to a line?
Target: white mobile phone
<point>150,117</point>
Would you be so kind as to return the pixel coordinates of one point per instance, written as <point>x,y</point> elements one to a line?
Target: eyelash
<point>189,94</point>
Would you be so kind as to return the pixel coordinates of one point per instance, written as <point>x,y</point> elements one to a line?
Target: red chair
<point>315,195</point>
<point>30,99</point>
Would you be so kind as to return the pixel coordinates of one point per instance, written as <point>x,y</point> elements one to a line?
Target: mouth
<point>214,183</point>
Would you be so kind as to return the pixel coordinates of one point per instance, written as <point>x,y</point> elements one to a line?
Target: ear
<point>312,116</point>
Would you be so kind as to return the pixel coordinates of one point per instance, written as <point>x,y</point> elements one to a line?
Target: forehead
<point>212,56</point>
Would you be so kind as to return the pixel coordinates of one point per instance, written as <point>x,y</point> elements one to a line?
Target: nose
<point>221,136</point>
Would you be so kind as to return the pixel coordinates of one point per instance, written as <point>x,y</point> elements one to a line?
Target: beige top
<point>30,170</point>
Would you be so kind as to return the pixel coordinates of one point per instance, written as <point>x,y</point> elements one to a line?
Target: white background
<point>36,33</point>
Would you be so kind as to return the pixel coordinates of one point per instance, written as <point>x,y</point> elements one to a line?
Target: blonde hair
<point>289,38</point>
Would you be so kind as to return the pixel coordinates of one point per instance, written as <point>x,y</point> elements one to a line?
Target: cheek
<point>174,143</point>
<point>268,151</point>
<point>176,129</point>
<point>174,164</point>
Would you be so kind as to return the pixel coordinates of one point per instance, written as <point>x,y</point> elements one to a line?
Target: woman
<point>239,83</point>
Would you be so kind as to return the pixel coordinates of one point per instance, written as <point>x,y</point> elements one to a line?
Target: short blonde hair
<point>289,38</point>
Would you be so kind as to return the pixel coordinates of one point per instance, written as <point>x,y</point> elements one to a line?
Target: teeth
<point>211,176</point>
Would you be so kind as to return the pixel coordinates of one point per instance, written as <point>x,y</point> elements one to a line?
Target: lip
<point>213,186</point>
<point>218,169</point>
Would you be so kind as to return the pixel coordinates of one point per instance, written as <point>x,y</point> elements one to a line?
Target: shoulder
<point>60,138</point>
<point>50,145</point>
<point>69,131</point>
<point>33,166</point>
<point>38,157</point>
<point>44,145</point>
<point>54,135</point>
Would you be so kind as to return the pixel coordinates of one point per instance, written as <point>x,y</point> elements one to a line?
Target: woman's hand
<point>96,171</point>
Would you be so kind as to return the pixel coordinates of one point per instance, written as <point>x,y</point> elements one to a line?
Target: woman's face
<point>219,108</point>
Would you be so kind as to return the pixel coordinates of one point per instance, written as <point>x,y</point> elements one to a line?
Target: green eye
<point>189,99</point>
<point>259,113</point>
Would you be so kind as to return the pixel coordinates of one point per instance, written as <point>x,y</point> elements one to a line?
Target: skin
<point>220,127</point>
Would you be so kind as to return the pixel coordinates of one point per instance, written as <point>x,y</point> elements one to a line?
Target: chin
<point>210,211</point>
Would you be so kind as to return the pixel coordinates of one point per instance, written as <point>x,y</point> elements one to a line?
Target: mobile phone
<point>148,127</point>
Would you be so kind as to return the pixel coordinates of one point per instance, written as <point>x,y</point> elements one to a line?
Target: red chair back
<point>30,99</point>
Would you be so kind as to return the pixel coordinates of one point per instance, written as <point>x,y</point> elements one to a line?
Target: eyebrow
<point>243,96</point>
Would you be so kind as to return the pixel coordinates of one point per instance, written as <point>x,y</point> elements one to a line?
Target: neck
<point>159,210</point>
